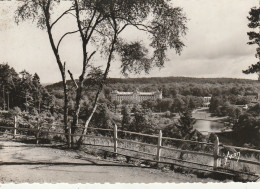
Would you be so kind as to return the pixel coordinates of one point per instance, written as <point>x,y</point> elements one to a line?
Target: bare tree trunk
<point>81,78</point>
<point>61,67</point>
<point>39,106</point>
<point>85,39</point>
<point>4,96</point>
<point>7,101</point>
<point>26,105</point>
<point>66,102</point>
<point>76,112</point>
<point>84,132</point>
<point>79,96</point>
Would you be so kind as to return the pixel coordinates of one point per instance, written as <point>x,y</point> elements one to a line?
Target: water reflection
<point>206,126</point>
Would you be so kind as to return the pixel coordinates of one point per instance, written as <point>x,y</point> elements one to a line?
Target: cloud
<point>217,28</point>
<point>215,43</point>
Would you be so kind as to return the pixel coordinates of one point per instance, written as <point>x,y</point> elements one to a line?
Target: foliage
<point>254,110</point>
<point>247,129</point>
<point>180,86</point>
<point>102,117</point>
<point>228,105</point>
<point>172,131</point>
<point>186,122</point>
<point>231,92</point>
<point>143,121</point>
<point>115,103</point>
<point>100,24</point>
<point>126,118</point>
<point>23,90</point>
<point>254,37</point>
<point>183,129</point>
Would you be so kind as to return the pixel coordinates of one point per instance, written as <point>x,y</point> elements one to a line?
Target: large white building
<point>136,95</point>
<point>206,101</point>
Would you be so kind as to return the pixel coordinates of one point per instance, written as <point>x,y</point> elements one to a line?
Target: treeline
<point>23,90</point>
<point>177,92</point>
<point>170,90</point>
<point>172,86</point>
<point>245,121</point>
<point>175,104</point>
<point>191,86</point>
<point>156,80</point>
<point>230,105</point>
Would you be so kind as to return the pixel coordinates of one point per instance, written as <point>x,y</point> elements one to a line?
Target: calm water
<point>205,126</point>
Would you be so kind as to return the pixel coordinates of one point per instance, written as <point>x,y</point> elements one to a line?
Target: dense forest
<point>180,94</point>
<point>22,90</point>
<point>24,94</point>
<point>172,86</point>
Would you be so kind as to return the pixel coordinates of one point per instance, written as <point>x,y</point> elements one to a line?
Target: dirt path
<point>18,152</point>
<point>94,170</point>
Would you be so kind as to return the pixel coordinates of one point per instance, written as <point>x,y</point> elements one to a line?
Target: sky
<point>215,44</point>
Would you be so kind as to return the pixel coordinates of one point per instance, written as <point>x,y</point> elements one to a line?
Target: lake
<point>205,126</point>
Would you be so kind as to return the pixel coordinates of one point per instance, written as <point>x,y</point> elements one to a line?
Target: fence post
<point>115,139</point>
<point>159,146</point>
<point>216,152</point>
<point>69,136</point>
<point>15,126</point>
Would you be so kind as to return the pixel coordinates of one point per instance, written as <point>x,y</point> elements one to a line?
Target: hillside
<point>166,80</point>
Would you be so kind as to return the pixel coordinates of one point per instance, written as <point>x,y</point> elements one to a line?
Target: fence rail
<point>158,147</point>
<point>241,148</point>
<point>187,151</point>
<point>190,141</point>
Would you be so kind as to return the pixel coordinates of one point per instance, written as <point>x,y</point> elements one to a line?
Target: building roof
<point>137,92</point>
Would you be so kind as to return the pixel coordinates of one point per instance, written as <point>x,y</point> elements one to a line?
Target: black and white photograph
<point>130,92</point>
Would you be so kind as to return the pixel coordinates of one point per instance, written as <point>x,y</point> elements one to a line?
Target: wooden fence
<point>158,158</point>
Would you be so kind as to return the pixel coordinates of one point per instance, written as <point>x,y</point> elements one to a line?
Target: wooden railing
<point>157,157</point>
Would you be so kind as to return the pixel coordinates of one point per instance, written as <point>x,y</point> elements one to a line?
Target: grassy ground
<point>232,165</point>
<point>94,170</point>
<point>238,166</point>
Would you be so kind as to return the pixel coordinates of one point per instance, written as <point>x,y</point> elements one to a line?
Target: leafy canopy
<point>101,21</point>
<point>254,37</point>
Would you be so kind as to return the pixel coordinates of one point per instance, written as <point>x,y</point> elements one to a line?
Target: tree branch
<point>93,28</point>
<point>72,78</point>
<point>64,13</point>
<point>90,22</point>
<point>102,33</point>
<point>122,28</point>
<point>68,33</point>
<point>78,21</point>
<point>72,14</point>
<point>81,78</point>
<point>110,23</point>
<point>64,67</point>
<point>65,36</point>
<point>101,84</point>
<point>92,54</point>
<point>137,25</point>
